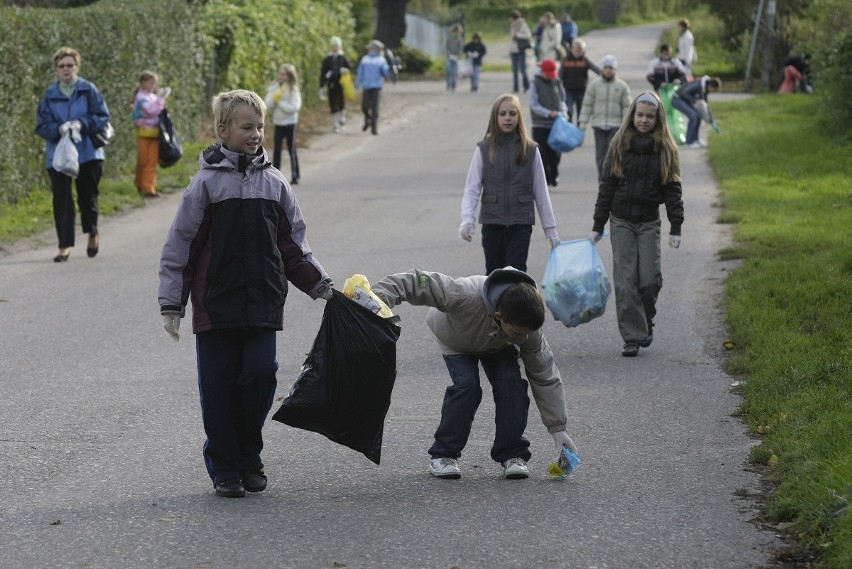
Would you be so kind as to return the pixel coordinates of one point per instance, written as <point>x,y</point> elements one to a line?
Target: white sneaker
<point>695,144</point>
<point>444,468</point>
<point>515,469</point>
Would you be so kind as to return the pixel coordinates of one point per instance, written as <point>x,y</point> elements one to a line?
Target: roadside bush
<point>117,40</point>
<point>414,61</point>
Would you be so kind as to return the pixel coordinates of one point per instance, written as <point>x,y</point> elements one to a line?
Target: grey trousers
<point>636,275</point>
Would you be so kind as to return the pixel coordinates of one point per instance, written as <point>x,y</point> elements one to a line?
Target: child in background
<point>574,73</point>
<point>148,102</point>
<point>605,105</point>
<point>475,51</point>
<point>372,70</point>
<point>285,100</point>
<point>334,66</point>
<point>238,236</point>
<point>641,172</point>
<point>455,45</point>
<point>686,98</point>
<point>492,321</point>
<point>507,175</point>
<point>547,101</point>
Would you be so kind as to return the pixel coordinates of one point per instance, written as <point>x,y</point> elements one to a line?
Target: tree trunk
<point>391,27</point>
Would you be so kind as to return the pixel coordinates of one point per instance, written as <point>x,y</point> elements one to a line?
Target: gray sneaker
<point>444,467</point>
<point>515,469</point>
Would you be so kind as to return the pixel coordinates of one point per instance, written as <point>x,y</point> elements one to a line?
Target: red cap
<point>549,69</point>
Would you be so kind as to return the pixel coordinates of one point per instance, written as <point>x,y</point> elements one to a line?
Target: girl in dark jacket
<point>641,171</point>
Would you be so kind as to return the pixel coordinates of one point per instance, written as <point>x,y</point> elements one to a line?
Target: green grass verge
<point>786,187</point>
<point>34,213</point>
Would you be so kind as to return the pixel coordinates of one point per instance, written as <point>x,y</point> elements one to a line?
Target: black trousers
<point>286,132</point>
<point>336,101</point>
<point>64,215</point>
<point>370,107</point>
<point>549,157</point>
<point>505,246</point>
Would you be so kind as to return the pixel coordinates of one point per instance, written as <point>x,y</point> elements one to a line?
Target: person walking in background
<point>237,238</point>
<point>547,101</point>
<point>605,106</point>
<point>372,71</point>
<point>686,52</point>
<point>641,172</point>
<point>574,73</point>
<point>688,98</point>
<point>663,69</point>
<point>455,46</point>
<point>493,321</point>
<point>73,105</point>
<point>333,67</point>
<point>148,102</point>
<point>285,100</point>
<point>521,38</point>
<point>550,46</point>
<point>506,174</point>
<point>475,51</point>
<point>570,31</point>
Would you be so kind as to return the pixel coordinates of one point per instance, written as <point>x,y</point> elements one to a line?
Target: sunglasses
<point>65,65</point>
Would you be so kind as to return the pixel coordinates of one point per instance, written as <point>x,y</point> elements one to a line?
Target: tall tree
<point>391,26</point>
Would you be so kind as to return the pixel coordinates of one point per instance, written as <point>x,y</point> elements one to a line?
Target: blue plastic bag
<point>564,136</point>
<point>576,286</point>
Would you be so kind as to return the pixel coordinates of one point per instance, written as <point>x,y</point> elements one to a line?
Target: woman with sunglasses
<point>73,104</point>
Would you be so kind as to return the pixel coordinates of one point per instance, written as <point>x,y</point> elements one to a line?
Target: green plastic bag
<point>677,124</point>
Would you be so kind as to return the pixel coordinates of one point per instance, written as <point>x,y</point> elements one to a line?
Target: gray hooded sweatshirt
<point>462,319</point>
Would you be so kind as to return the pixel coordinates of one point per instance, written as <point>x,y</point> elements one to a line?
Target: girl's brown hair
<point>494,131</point>
<point>663,140</point>
<point>146,75</point>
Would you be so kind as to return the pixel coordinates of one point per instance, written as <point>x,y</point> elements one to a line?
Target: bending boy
<point>490,320</point>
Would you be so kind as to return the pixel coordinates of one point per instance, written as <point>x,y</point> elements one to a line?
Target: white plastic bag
<point>65,157</point>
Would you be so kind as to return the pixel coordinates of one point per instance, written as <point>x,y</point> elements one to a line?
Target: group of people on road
<point>494,319</point>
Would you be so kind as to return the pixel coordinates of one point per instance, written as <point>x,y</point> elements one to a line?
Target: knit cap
<point>609,61</point>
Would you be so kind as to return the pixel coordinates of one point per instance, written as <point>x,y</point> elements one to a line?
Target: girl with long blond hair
<point>284,99</point>
<point>641,171</point>
<point>507,175</point>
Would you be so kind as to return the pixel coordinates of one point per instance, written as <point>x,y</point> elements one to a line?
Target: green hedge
<point>198,48</point>
<point>117,40</point>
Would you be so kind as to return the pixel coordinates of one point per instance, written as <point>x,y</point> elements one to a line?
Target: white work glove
<point>344,70</point>
<point>561,439</point>
<point>164,92</point>
<point>595,237</point>
<point>554,241</point>
<point>321,94</point>
<point>171,323</point>
<point>582,126</point>
<point>325,292</point>
<point>75,131</point>
<point>64,127</point>
<point>466,231</point>
<point>674,241</point>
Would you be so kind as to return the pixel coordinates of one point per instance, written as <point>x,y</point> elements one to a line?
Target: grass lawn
<point>787,187</point>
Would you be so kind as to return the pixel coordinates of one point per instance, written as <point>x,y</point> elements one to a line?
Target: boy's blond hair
<point>226,105</point>
<point>67,52</point>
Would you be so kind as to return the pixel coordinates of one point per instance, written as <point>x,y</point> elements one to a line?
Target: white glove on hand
<point>595,237</point>
<point>171,323</point>
<point>554,241</point>
<point>466,231</point>
<point>75,131</point>
<point>325,292</point>
<point>64,127</point>
<point>561,439</point>
<point>674,241</point>
<point>321,94</point>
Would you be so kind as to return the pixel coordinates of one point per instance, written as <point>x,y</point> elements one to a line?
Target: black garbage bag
<point>344,388</point>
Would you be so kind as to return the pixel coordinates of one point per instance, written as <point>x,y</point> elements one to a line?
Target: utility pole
<point>770,39</point>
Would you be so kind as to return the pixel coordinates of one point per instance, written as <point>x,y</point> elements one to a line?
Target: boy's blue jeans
<point>462,399</point>
<point>236,381</point>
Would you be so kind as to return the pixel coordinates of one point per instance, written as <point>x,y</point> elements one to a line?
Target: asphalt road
<point>100,439</point>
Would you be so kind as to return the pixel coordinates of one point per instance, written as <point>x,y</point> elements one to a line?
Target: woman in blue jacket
<point>73,104</point>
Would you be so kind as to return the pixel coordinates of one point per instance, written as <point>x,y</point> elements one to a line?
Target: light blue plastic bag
<point>576,286</point>
<point>564,136</point>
